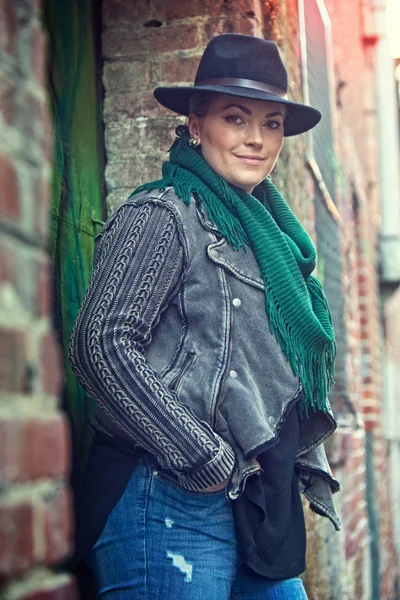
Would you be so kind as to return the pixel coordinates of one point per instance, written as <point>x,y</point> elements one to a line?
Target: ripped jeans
<point>161,542</point>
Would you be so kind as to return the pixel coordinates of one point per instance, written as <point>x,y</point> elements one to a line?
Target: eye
<point>234,119</point>
<point>273,124</point>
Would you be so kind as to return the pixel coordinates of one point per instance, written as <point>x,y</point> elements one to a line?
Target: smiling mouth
<point>251,160</point>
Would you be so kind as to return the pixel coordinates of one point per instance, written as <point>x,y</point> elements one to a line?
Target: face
<point>240,138</point>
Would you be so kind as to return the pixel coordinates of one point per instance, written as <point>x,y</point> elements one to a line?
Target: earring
<point>193,143</point>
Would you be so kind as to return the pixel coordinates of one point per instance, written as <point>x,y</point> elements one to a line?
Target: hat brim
<point>299,117</point>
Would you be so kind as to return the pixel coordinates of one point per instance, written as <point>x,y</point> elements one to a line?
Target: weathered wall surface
<point>153,43</point>
<point>392,413</point>
<point>368,523</point>
<point>146,44</point>
<point>35,518</point>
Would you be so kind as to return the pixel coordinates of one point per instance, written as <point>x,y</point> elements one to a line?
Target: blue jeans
<point>161,542</point>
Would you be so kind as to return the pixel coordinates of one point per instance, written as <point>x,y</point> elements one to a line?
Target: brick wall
<point>358,451</point>
<point>35,518</point>
<point>357,124</point>
<point>146,44</point>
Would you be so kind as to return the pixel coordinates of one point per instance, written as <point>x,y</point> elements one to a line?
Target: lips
<point>251,160</point>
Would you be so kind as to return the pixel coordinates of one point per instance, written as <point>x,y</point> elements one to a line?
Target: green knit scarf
<point>296,306</point>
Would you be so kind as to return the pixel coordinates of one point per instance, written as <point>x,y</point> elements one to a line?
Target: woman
<point>209,347</point>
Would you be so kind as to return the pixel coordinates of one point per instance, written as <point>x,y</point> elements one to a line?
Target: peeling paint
<point>180,563</point>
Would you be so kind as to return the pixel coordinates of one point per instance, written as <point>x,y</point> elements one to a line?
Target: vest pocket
<point>177,379</point>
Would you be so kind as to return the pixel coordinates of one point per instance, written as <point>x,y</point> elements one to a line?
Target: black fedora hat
<point>244,66</point>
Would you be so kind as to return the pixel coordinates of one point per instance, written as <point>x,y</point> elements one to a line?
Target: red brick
<point>271,9</point>
<point>371,423</point>
<point>60,591</point>
<point>180,9</point>
<point>33,448</point>
<point>359,575</point>
<point>36,124</point>
<point>350,548</point>
<point>50,365</point>
<point>7,99</point>
<point>135,42</point>
<point>38,49</point>
<point>353,531</point>
<point>13,360</point>
<point>9,189</point>
<point>116,12</point>
<point>245,7</point>
<point>220,25</point>
<point>6,264</point>
<point>358,501</point>
<point>179,70</point>
<point>58,526</point>
<point>337,447</point>
<point>43,288</point>
<point>41,188</point>
<point>46,448</point>
<point>248,26</point>
<point>8,25</point>
<point>47,139</point>
<point>16,538</point>
<point>364,278</point>
<point>124,76</point>
<point>10,450</point>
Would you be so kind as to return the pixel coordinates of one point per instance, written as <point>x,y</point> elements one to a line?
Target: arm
<point>139,267</point>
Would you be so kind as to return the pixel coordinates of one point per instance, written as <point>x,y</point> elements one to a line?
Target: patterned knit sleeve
<point>139,266</point>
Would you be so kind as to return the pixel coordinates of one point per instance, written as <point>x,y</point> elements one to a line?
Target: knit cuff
<point>216,471</point>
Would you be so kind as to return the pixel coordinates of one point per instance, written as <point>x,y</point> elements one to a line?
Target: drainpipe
<point>389,161</point>
<point>389,179</point>
<point>373,517</point>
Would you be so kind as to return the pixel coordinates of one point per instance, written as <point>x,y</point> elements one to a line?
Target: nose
<point>254,135</point>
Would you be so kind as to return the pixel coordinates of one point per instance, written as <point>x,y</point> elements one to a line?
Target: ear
<point>194,126</point>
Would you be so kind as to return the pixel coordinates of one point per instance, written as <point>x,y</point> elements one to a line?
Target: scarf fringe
<point>315,370</point>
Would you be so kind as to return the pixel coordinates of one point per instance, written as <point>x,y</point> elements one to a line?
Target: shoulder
<point>166,202</point>
<point>161,203</point>
<point>145,214</point>
<point>165,198</point>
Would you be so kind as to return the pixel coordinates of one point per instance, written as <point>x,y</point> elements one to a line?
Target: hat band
<point>246,83</point>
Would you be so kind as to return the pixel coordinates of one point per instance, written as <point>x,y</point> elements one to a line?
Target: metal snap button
<point>155,473</point>
<point>236,302</point>
<point>233,374</point>
<point>272,420</point>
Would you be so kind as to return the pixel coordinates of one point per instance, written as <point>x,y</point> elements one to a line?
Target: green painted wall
<point>77,208</point>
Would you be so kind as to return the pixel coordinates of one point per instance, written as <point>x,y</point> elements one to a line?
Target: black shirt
<point>269,514</point>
